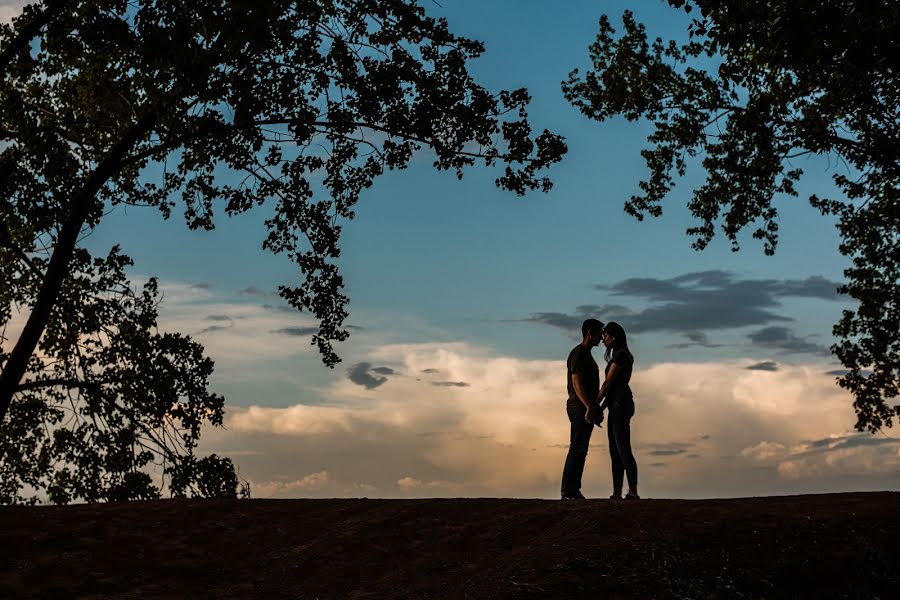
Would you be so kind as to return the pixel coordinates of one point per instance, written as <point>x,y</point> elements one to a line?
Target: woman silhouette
<point>615,395</point>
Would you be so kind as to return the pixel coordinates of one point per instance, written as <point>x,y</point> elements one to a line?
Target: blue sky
<point>469,258</point>
<point>455,288</point>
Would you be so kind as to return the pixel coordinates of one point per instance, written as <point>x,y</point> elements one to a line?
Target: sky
<point>465,300</point>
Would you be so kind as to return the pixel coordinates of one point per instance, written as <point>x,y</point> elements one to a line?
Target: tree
<point>108,395</point>
<point>757,85</point>
<point>220,106</point>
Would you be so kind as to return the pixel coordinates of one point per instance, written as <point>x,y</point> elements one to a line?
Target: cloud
<point>672,452</point>
<point>305,331</point>
<point>811,287</point>
<point>723,429</point>
<point>694,302</point>
<point>283,308</point>
<point>459,384</point>
<point>843,372</point>
<point>252,290</point>
<point>560,320</point>
<point>361,374</point>
<point>234,334</point>
<point>415,487</point>
<point>506,433</point>
<point>408,483</point>
<point>280,307</point>
<point>297,331</point>
<point>201,286</point>
<point>297,420</point>
<point>302,486</point>
<point>704,285</point>
<point>783,339</point>
<point>213,328</point>
<point>695,338</point>
<point>669,448</point>
<point>766,365</point>
<point>859,440</point>
<point>842,455</point>
<point>9,9</point>
<point>764,451</point>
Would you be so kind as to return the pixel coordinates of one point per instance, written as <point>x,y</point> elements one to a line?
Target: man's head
<point>592,330</point>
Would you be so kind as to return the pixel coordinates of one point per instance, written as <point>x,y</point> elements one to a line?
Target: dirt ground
<point>819,546</point>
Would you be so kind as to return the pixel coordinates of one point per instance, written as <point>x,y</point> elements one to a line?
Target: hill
<point>818,546</point>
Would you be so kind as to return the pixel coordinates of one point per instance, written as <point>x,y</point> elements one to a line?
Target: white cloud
<point>248,334</point>
<point>308,483</point>
<point>247,340</point>
<point>232,333</point>
<point>700,430</point>
<point>764,451</point>
<point>9,9</point>
<point>408,483</point>
<point>296,420</point>
<point>847,456</point>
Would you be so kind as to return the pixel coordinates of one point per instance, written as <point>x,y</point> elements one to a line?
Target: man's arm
<point>579,391</point>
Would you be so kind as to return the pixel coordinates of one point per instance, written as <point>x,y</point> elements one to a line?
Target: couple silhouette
<point>589,398</point>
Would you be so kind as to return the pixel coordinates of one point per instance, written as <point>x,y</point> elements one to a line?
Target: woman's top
<point>619,391</point>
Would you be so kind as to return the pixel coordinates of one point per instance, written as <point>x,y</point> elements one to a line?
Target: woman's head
<point>614,338</point>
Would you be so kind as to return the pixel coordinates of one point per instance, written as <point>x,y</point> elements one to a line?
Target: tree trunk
<point>58,268</point>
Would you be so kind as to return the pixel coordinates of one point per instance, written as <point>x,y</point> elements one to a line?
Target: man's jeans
<point>579,438</point>
<point>618,429</point>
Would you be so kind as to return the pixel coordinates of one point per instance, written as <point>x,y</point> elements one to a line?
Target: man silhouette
<point>583,385</point>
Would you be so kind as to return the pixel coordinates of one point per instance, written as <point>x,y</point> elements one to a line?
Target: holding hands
<point>594,414</point>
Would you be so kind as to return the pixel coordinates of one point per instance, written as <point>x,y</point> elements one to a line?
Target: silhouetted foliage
<point>107,395</point>
<point>217,106</point>
<point>758,84</point>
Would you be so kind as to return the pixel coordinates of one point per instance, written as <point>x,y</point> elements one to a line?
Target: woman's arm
<point>610,377</point>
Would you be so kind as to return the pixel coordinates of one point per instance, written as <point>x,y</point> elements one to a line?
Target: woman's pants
<point>618,429</point>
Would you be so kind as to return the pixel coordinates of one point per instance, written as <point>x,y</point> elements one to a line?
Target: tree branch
<point>58,267</point>
<point>23,256</point>
<point>60,382</point>
<point>221,130</point>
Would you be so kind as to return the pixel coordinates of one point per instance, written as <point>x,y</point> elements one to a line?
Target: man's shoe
<point>616,496</point>
<point>575,496</point>
<point>632,496</point>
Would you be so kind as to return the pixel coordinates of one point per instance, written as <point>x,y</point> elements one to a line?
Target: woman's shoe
<point>632,496</point>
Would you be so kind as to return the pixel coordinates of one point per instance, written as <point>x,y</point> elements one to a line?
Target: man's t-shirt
<point>580,361</point>
<point>620,391</point>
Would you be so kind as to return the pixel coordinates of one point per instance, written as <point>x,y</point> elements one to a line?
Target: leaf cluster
<point>299,105</point>
<point>756,86</point>
<point>210,107</point>
<point>108,401</point>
